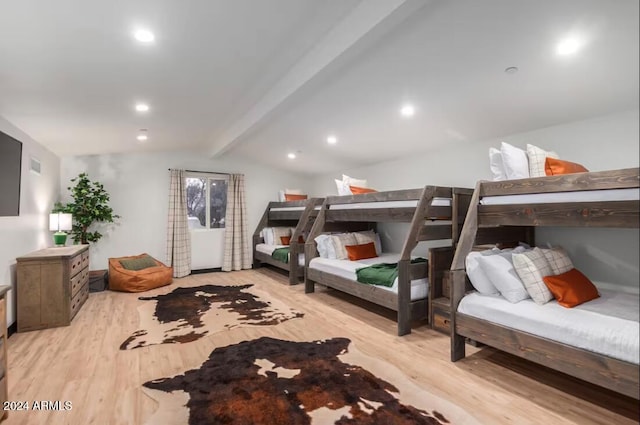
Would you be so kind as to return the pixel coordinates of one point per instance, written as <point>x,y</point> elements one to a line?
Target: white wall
<point>139,185</point>
<point>29,231</point>
<point>603,143</point>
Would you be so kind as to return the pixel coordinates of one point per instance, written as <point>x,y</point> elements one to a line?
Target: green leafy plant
<point>90,205</point>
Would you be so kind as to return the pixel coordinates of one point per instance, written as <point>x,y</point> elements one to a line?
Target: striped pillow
<point>558,259</point>
<point>537,158</point>
<point>532,266</point>
<point>339,242</point>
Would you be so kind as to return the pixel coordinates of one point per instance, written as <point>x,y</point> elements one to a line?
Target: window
<point>206,200</point>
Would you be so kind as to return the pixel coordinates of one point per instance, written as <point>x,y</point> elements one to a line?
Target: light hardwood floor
<point>82,363</point>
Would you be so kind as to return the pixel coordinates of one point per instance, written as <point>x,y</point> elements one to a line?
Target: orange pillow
<point>359,190</point>
<point>361,252</point>
<point>571,288</point>
<point>554,167</point>
<point>292,197</point>
<point>286,240</point>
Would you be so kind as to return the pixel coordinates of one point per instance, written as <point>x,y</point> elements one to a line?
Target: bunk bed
<point>295,214</point>
<point>434,213</point>
<point>507,212</point>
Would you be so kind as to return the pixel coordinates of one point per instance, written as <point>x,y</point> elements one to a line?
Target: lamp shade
<point>60,221</point>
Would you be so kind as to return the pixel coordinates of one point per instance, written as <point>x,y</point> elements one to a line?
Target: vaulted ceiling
<point>262,79</point>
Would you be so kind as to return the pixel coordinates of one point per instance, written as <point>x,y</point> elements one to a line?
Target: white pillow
<point>499,269</point>
<point>339,242</point>
<point>537,157</point>
<point>496,165</point>
<point>350,181</point>
<point>532,266</point>
<point>516,164</point>
<point>343,189</point>
<point>477,276</point>
<point>267,235</point>
<point>369,236</point>
<point>281,197</point>
<point>322,242</point>
<point>558,259</point>
<point>294,192</point>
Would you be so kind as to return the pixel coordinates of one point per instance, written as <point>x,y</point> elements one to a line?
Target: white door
<point>206,208</point>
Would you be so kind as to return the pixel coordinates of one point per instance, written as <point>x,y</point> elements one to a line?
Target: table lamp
<point>59,222</point>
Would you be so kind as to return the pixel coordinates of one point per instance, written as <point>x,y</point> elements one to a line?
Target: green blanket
<point>281,254</point>
<point>383,274</point>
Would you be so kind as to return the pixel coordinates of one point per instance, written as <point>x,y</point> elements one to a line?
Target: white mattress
<point>317,207</point>
<point>578,196</point>
<point>607,325</point>
<point>347,270</point>
<point>268,249</point>
<point>437,202</point>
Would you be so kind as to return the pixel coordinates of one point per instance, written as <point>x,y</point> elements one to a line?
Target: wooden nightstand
<point>439,287</point>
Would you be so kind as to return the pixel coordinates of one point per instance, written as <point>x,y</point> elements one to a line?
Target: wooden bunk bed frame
<point>301,219</point>
<point>503,224</point>
<point>428,222</point>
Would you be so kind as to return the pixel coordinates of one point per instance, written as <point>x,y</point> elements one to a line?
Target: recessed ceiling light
<point>144,36</point>
<point>142,107</point>
<point>291,155</point>
<point>142,135</point>
<point>568,46</point>
<point>332,140</point>
<point>407,111</point>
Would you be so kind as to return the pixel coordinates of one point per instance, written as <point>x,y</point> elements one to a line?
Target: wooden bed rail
<point>628,178</point>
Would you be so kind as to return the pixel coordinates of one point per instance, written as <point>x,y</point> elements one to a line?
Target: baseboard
<point>12,329</point>
<point>217,269</point>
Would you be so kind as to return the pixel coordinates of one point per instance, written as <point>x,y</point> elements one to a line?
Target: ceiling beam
<point>362,24</point>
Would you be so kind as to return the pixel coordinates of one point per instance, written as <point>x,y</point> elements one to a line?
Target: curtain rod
<point>203,172</point>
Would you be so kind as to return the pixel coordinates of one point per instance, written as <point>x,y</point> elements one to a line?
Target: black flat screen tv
<point>10,167</point>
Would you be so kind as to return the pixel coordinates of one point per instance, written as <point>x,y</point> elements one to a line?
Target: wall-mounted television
<point>10,167</point>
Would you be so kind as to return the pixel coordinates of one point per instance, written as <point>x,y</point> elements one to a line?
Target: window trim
<point>208,176</point>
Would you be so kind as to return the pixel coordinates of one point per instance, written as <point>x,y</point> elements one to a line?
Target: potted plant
<point>90,205</point>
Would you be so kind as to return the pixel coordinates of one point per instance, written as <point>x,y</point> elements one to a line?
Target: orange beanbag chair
<point>138,273</point>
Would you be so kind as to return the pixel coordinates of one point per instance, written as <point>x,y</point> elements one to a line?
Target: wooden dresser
<point>52,285</point>
<point>3,348</point>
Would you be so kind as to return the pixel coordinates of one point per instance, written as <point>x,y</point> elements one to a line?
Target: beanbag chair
<point>138,273</point>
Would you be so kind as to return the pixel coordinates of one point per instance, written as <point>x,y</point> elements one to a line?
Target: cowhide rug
<point>275,382</point>
<point>187,314</point>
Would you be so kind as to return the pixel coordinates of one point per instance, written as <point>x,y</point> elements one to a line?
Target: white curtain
<point>178,237</point>
<point>237,255</point>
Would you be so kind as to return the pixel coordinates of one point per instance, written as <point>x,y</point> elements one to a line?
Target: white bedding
<point>607,325</point>
<point>437,202</point>
<point>317,207</point>
<point>578,196</point>
<point>347,270</point>
<point>268,249</point>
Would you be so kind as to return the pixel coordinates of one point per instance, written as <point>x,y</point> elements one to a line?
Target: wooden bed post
<point>458,274</point>
<point>404,298</point>
<point>310,250</point>
<point>256,235</point>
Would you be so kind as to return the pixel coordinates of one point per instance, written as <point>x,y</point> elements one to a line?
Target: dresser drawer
<point>441,321</point>
<point>85,259</point>
<point>75,265</point>
<point>78,300</point>
<point>78,281</point>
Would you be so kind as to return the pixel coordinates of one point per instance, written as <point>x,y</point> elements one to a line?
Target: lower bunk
<point>597,341</point>
<point>411,304</point>
<point>279,256</point>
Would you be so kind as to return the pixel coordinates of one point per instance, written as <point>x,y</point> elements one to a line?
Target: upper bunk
<point>429,210</point>
<point>505,211</point>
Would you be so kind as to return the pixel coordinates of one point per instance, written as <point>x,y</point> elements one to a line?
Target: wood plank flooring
<point>82,363</point>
